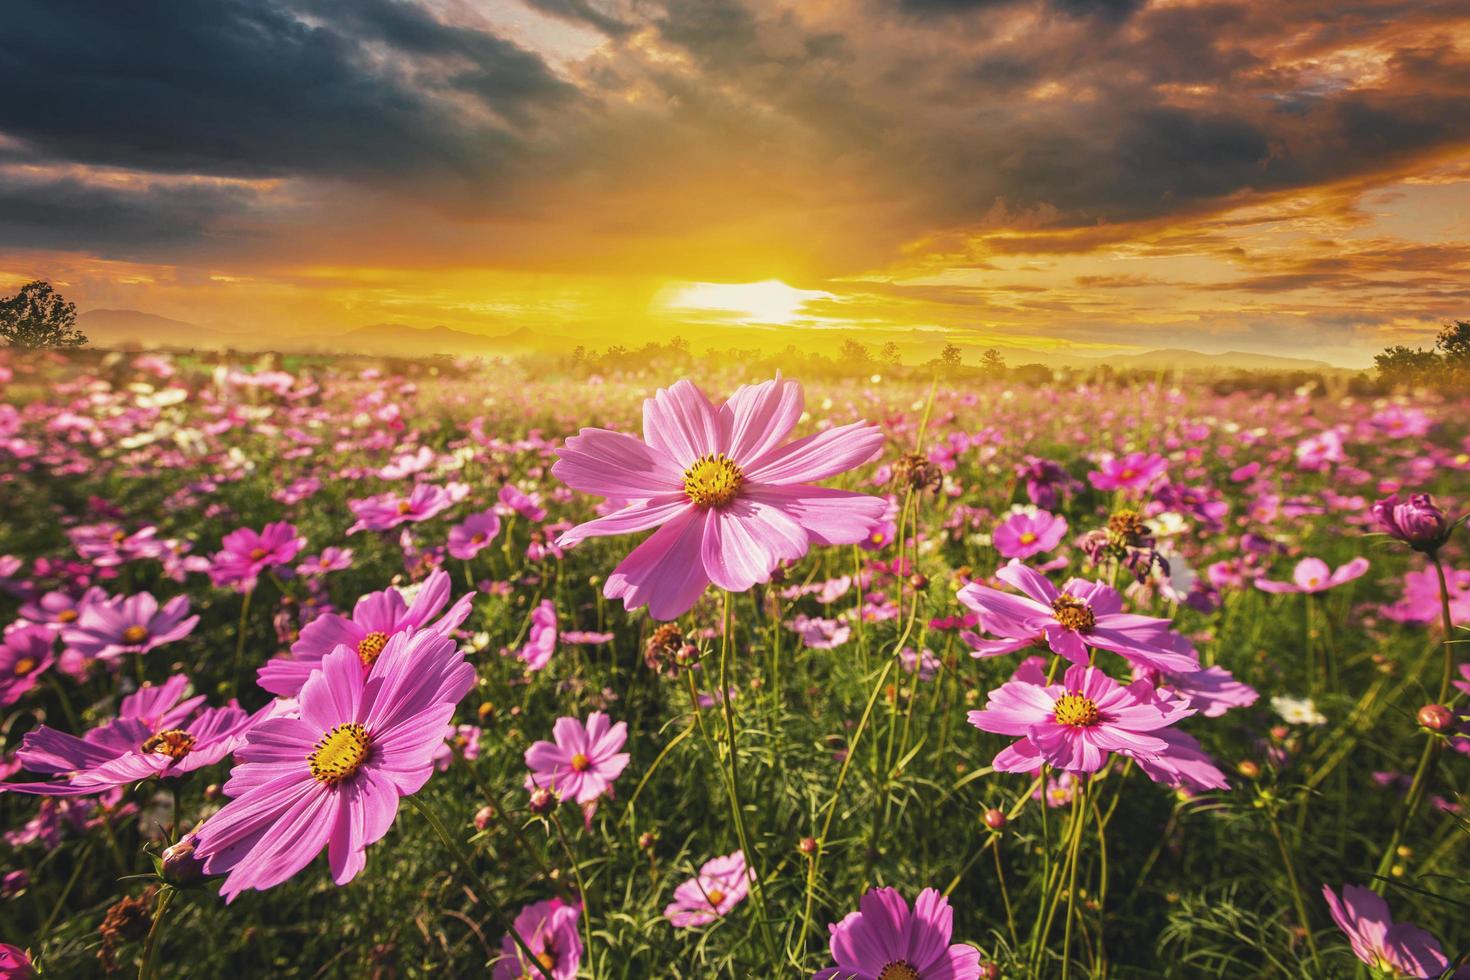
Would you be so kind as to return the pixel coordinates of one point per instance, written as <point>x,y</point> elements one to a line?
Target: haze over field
<point>1073,178</point>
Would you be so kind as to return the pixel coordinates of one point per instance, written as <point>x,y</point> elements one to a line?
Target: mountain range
<point>129,328</point>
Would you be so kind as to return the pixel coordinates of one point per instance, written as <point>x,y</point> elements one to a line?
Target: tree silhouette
<point>950,356</point>
<point>37,317</point>
<point>1453,344</point>
<point>993,362</point>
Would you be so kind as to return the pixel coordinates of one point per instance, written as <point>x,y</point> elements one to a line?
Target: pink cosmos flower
<point>1023,534</point>
<point>1074,725</point>
<point>377,618</point>
<point>461,739</point>
<point>16,965</point>
<point>883,940</point>
<point>59,609</point>
<point>819,634</point>
<point>1212,691</point>
<point>330,560</point>
<point>1135,471</point>
<point>388,510</point>
<point>1403,949</point>
<point>550,930</point>
<point>536,654</point>
<point>107,630</point>
<point>153,735</point>
<point>583,761</point>
<point>1070,620</point>
<point>332,777</point>
<point>517,501</point>
<point>25,654</point>
<point>1420,603</point>
<point>244,554</point>
<point>473,536</point>
<point>722,884</point>
<point>924,662</point>
<point>730,501</point>
<point>1314,575</point>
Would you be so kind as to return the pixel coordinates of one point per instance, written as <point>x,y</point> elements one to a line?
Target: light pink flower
<point>128,624</point>
<point>541,644</point>
<point>468,539</point>
<point>550,929</point>
<point>1135,471</point>
<point>1314,575</point>
<point>1023,534</point>
<point>729,499</point>
<point>722,884</point>
<point>388,510</point>
<point>1377,940</point>
<point>884,940</point>
<point>583,761</point>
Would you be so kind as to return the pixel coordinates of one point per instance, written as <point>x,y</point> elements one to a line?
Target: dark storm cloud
<point>143,222</point>
<point>369,89</point>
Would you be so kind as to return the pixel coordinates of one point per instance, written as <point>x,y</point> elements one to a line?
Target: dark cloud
<point>369,89</point>
<point>1108,9</point>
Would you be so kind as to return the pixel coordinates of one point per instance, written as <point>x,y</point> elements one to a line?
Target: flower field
<point>422,669</point>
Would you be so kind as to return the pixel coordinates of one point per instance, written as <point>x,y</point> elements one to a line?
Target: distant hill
<point>116,328</point>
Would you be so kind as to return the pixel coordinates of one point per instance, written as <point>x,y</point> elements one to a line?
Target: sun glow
<point>769,301</point>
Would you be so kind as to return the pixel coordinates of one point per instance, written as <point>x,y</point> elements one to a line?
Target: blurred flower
<point>883,940</point>
<point>550,930</point>
<point>468,539</point>
<point>244,554</point>
<point>1314,575</point>
<point>1297,711</point>
<point>1404,949</point>
<point>109,629</point>
<point>25,654</point>
<point>541,644</point>
<point>1024,534</point>
<point>1415,521</point>
<point>722,884</point>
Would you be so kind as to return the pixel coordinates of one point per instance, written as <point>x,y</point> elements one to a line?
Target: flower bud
<point>543,801</point>
<point>994,819</point>
<point>1417,521</point>
<point>180,866</point>
<point>1436,717</point>
<point>807,845</point>
<point>484,817</point>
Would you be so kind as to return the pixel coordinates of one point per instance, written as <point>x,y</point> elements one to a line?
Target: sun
<point>769,301</point>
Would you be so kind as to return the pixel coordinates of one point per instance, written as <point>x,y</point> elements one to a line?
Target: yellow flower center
<point>256,554</point>
<point>1073,613</point>
<point>172,742</point>
<point>134,635</point>
<point>1075,710</point>
<point>712,481</point>
<point>1128,474</point>
<point>1028,537</point>
<point>340,753</point>
<point>477,539</point>
<point>404,506</point>
<point>370,646</point>
<point>580,763</point>
<point>898,970</point>
<point>67,616</point>
<point>23,666</point>
<point>118,537</point>
<point>715,897</point>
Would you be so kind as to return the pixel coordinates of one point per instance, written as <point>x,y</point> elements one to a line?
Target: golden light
<point>769,301</point>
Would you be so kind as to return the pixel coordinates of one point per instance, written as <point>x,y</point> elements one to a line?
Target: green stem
<point>155,933</point>
<point>566,848</point>
<point>486,894</point>
<point>240,637</point>
<point>1296,892</point>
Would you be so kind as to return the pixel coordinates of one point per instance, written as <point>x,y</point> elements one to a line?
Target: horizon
<point>1069,177</point>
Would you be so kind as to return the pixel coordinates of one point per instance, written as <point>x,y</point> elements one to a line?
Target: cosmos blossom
<point>731,500</point>
<point>388,510</point>
<point>1024,534</point>
<point>722,884</point>
<point>108,630</point>
<point>1070,620</point>
<point>1403,949</point>
<point>331,779</point>
<point>1135,471</point>
<point>1314,575</point>
<point>377,618</point>
<point>60,609</point>
<point>884,940</point>
<point>550,930</point>
<point>1075,725</point>
<point>583,761</point>
<point>468,539</point>
<point>245,553</point>
<point>25,654</point>
<point>154,735</point>
<point>541,643</point>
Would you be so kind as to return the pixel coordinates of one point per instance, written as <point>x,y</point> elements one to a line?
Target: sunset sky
<point>1283,176</point>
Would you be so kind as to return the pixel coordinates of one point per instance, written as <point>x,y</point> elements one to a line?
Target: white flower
<point>1297,711</point>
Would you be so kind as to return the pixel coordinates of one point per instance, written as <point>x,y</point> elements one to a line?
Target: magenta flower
<point>473,536</point>
<point>583,761</point>
<point>550,930</point>
<point>1416,521</point>
<point>1074,725</point>
<point>15,964</point>
<point>1024,534</point>
<point>817,633</point>
<point>332,777</point>
<point>244,554</point>
<point>515,500</point>
<point>722,884</point>
<point>537,652</point>
<point>1401,949</point>
<point>107,630</point>
<point>1314,575</point>
<point>25,654</point>
<point>730,501</point>
<point>59,609</point>
<point>388,510</point>
<point>377,618</point>
<point>1080,615</point>
<point>1212,691</point>
<point>1136,471</point>
<point>153,735</point>
<point>883,940</point>
<point>330,560</point>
